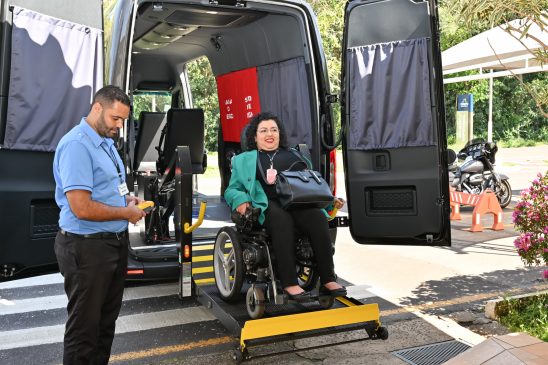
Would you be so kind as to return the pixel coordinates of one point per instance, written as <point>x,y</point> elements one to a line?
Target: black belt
<point>98,235</point>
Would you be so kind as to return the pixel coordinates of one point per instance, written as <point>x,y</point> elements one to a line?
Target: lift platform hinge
<point>236,3</point>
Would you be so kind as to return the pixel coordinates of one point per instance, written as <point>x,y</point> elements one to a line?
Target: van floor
<point>217,215</point>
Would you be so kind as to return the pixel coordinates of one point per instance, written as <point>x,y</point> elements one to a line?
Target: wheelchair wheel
<point>307,277</point>
<point>255,303</point>
<point>326,301</point>
<point>228,264</point>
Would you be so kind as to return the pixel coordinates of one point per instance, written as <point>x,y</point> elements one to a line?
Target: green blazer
<point>244,186</point>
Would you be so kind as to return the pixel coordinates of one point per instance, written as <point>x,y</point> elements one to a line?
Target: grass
<point>528,314</point>
<point>212,166</point>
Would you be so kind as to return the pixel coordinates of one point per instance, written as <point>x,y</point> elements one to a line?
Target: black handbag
<point>301,189</point>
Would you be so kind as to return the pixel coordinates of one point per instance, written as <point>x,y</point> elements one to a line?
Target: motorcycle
<point>477,172</point>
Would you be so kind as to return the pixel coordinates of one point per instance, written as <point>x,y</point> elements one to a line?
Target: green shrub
<point>528,314</point>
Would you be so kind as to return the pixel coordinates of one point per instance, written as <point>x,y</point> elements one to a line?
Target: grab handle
<point>189,228</point>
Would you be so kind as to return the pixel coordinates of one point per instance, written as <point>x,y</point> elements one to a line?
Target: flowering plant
<point>531,219</point>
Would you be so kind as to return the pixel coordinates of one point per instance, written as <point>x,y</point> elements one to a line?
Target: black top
<point>282,160</point>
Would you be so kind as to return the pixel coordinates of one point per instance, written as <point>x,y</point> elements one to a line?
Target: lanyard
<point>114,161</point>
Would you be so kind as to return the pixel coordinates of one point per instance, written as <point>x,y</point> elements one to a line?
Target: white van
<point>266,55</point>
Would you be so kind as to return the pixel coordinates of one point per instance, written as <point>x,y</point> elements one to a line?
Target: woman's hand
<point>242,208</point>
<point>338,203</point>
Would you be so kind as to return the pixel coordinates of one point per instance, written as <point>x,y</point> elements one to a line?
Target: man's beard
<point>103,130</point>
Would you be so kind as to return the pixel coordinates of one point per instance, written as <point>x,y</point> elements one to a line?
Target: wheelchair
<point>244,253</point>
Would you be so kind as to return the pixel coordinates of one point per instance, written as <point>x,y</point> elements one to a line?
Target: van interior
<point>261,60</point>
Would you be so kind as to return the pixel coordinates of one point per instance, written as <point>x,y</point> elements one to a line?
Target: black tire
<point>382,333</point>
<point>228,264</point>
<point>255,302</point>
<point>237,356</point>
<point>504,193</point>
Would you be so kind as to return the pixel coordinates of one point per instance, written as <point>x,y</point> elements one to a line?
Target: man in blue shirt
<point>92,242</point>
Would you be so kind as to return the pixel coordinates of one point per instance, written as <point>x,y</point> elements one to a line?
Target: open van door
<point>51,64</point>
<point>394,143</point>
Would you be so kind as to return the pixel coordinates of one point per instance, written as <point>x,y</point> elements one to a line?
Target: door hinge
<point>236,3</point>
<point>332,98</point>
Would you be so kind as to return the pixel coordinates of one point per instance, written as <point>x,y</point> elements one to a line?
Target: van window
<point>155,101</point>
<point>204,96</point>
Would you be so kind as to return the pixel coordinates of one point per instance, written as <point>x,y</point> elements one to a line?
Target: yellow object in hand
<point>146,205</point>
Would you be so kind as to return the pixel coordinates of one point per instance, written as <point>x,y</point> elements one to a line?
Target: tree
<point>499,13</point>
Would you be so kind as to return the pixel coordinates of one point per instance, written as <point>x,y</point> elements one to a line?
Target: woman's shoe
<point>339,292</point>
<point>300,298</point>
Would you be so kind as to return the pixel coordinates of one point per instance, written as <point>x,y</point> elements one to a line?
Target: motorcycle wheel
<point>504,193</point>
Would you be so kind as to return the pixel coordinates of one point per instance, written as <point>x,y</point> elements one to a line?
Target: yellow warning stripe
<point>208,247</point>
<point>345,301</point>
<point>165,350</point>
<point>202,248</point>
<point>204,281</point>
<point>201,270</point>
<point>202,258</point>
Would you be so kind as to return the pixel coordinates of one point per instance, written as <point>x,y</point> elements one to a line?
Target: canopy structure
<point>496,51</point>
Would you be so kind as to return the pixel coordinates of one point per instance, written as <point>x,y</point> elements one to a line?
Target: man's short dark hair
<point>251,130</point>
<point>109,94</point>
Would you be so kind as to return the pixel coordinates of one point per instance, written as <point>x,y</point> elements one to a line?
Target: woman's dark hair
<point>254,122</point>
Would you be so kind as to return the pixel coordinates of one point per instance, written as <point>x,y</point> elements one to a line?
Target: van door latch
<point>236,3</point>
<point>332,98</point>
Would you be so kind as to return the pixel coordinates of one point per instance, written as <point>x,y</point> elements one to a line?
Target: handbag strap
<point>260,165</point>
<point>301,157</point>
<point>296,153</point>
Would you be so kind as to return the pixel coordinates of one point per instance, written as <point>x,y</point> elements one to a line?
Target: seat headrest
<point>243,138</point>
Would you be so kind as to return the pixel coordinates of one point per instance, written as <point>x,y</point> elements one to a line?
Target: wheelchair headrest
<point>243,138</point>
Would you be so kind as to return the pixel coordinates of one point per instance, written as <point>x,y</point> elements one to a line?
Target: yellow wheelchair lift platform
<point>283,322</point>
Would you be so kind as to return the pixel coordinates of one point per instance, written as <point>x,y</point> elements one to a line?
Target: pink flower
<point>545,274</point>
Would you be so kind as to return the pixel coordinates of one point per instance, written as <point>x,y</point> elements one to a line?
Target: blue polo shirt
<point>82,162</point>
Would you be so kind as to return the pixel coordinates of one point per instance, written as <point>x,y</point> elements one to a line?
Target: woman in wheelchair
<point>266,142</point>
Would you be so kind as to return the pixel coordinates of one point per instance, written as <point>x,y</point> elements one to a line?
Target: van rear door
<point>48,76</point>
<point>394,143</point>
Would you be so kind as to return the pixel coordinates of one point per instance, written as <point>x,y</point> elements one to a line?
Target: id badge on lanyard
<point>122,187</point>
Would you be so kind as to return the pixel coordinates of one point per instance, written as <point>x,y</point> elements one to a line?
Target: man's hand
<point>134,213</point>
<point>84,207</point>
<point>242,208</point>
<point>136,200</point>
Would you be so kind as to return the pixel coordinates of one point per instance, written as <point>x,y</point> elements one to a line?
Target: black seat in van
<point>148,137</point>
<point>184,127</point>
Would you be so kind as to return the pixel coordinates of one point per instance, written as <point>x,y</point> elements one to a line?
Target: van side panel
<point>29,215</point>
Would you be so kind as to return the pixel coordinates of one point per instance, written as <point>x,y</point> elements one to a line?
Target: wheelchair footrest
<point>310,321</point>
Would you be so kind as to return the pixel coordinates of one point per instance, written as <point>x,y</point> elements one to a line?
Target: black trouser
<point>281,224</point>
<point>94,272</point>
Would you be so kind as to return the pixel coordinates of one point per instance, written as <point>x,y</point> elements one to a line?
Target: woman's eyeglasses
<point>271,130</point>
